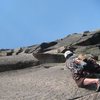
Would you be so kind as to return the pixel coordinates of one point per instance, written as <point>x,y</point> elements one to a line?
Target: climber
<point>83,67</point>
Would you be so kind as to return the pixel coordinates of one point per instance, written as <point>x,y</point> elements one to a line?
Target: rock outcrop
<point>86,42</point>
<point>46,77</point>
<point>17,62</point>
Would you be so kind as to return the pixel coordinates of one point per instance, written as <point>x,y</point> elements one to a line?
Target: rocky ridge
<point>45,76</point>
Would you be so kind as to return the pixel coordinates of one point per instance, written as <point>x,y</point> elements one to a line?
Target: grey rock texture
<point>50,58</point>
<point>17,51</point>
<point>79,42</point>
<point>42,83</point>
<point>17,62</point>
<point>38,72</point>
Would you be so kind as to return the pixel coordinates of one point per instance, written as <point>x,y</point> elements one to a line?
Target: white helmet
<point>67,53</point>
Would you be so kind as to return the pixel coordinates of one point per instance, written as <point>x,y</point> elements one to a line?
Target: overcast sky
<point>29,22</point>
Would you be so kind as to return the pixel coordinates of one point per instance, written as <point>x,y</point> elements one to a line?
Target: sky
<point>27,22</point>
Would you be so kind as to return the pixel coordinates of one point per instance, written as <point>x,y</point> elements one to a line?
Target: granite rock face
<point>17,62</point>
<point>87,42</point>
<point>38,72</point>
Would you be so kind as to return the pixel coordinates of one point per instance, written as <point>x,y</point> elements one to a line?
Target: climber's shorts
<point>78,79</point>
<point>79,82</point>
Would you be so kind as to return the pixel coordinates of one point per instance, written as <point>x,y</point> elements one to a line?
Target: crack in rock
<point>75,98</point>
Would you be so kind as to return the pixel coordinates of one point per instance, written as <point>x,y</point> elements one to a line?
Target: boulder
<point>91,39</point>
<point>85,33</point>
<point>17,62</point>
<point>50,58</point>
<point>6,52</point>
<point>10,52</point>
<point>32,49</point>
<point>40,48</point>
<point>69,40</point>
<point>17,51</point>
<point>3,54</point>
